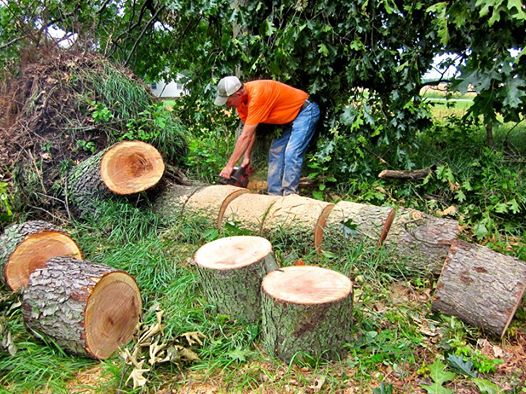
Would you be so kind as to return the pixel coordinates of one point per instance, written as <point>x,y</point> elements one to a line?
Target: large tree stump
<point>358,223</point>
<point>249,211</point>
<point>421,240</point>
<point>482,287</point>
<point>88,309</point>
<point>231,270</point>
<point>27,246</point>
<point>302,217</point>
<point>306,309</point>
<point>124,169</point>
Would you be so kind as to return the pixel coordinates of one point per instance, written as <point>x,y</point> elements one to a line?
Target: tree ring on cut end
<point>112,313</point>
<point>232,252</point>
<point>306,285</point>
<point>131,167</point>
<point>34,252</point>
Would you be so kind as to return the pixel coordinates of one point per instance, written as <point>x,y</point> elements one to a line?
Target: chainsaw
<point>239,177</point>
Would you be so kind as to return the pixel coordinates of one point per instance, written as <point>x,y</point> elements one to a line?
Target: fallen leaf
<point>318,384</point>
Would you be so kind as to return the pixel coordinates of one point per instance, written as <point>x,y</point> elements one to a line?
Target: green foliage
<point>6,212</point>
<point>439,375</point>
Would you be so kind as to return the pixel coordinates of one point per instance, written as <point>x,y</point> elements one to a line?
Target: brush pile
<point>60,108</point>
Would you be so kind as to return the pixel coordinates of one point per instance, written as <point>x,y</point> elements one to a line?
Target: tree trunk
<point>355,223</point>
<point>126,168</point>
<point>302,217</point>
<point>306,309</point>
<point>171,202</point>
<point>88,309</point>
<point>27,246</point>
<point>421,240</point>
<point>231,270</point>
<point>249,211</point>
<point>482,287</point>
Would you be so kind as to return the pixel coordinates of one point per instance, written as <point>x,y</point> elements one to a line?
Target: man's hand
<point>226,172</point>
<point>246,162</point>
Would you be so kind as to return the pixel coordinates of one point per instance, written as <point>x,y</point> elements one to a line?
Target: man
<point>271,102</point>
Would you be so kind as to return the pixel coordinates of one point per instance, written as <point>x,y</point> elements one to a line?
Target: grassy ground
<point>399,345</point>
<point>396,338</point>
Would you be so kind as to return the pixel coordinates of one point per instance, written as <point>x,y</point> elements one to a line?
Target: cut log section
<point>126,168</point>
<point>171,203</point>
<point>482,287</point>
<point>306,309</point>
<point>421,240</point>
<point>90,310</point>
<point>28,246</point>
<point>212,201</point>
<point>299,215</point>
<point>358,222</point>
<point>249,211</point>
<point>231,270</point>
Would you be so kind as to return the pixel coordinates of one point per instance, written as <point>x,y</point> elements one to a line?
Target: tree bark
<point>306,309</point>
<point>402,174</point>
<point>301,217</point>
<point>125,168</point>
<point>482,287</point>
<point>353,222</point>
<point>231,270</point>
<point>249,211</point>
<point>421,240</point>
<point>27,246</point>
<point>170,204</point>
<point>88,309</point>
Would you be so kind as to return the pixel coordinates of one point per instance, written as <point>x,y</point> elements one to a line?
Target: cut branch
<point>405,174</point>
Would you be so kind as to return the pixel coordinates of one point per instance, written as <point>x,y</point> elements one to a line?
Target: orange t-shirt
<point>270,102</point>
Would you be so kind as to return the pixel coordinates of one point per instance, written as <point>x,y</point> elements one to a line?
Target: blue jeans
<point>285,157</point>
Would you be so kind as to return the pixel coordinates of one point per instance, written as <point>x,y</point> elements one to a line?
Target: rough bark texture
<point>171,202</point>
<point>319,329</point>
<point>249,211</point>
<point>236,292</point>
<point>302,216</point>
<point>212,201</point>
<point>56,301</point>
<point>85,187</point>
<point>356,222</point>
<point>403,174</point>
<point>15,235</point>
<point>421,240</point>
<point>482,287</point>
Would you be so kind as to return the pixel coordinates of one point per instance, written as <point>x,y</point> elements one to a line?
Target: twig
<point>142,34</point>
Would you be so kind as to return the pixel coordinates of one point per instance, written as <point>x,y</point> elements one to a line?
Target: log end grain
<point>232,252</point>
<point>112,313</point>
<point>131,167</point>
<point>306,285</point>
<point>34,252</point>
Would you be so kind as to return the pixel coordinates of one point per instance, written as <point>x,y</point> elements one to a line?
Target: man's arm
<point>248,152</point>
<point>244,142</point>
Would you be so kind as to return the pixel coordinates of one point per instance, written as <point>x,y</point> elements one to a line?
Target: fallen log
<point>356,222</point>
<point>405,174</point>
<point>482,287</point>
<point>124,169</point>
<point>88,309</point>
<point>27,246</point>
<point>306,309</point>
<point>421,240</point>
<point>231,270</point>
<point>249,211</point>
<point>302,217</point>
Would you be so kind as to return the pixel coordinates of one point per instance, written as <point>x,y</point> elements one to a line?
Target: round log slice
<point>231,270</point>
<point>125,168</point>
<point>482,287</point>
<point>88,309</point>
<point>357,222</point>
<point>299,216</point>
<point>212,201</point>
<point>421,240</point>
<point>27,246</point>
<point>249,211</point>
<point>306,309</point>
